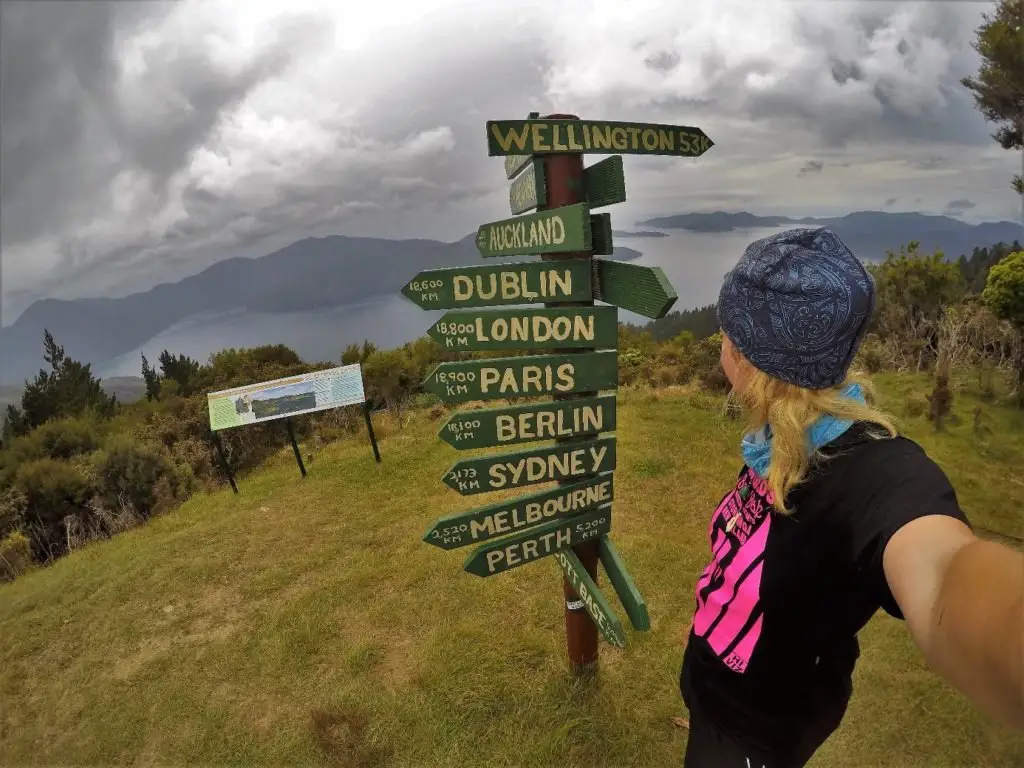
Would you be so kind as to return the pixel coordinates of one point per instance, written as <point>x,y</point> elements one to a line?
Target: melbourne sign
<point>540,137</point>
<point>281,398</point>
<point>503,517</point>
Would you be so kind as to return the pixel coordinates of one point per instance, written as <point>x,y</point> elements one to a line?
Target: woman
<point>832,517</point>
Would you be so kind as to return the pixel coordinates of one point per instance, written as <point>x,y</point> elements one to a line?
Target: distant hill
<point>639,233</point>
<point>868,233</point>
<point>315,273</point>
<point>127,388</point>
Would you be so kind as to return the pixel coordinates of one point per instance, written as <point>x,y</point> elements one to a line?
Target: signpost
<point>483,523</point>
<point>640,289</point>
<point>490,427</point>
<point>285,398</point>
<point>569,460</point>
<point>483,329</point>
<point>557,316</point>
<point>529,189</point>
<point>522,548</point>
<point>572,137</point>
<point>496,285</point>
<point>561,230</point>
<point>504,377</point>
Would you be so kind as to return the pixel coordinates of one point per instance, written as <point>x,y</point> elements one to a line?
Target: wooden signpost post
<point>576,340</point>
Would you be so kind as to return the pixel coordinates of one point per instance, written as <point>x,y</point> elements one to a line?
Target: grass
<point>304,622</point>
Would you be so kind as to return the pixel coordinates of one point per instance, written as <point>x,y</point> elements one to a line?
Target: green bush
<point>917,404</point>
<point>15,555</point>
<point>53,490</point>
<point>140,475</point>
<point>12,510</point>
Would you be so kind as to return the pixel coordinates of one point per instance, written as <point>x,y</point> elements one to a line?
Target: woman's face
<point>732,364</point>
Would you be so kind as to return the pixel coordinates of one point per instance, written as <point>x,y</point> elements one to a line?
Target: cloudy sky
<point>141,141</point>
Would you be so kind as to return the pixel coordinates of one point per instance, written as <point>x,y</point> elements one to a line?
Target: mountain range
<point>334,271</point>
<point>868,233</point>
<point>310,274</point>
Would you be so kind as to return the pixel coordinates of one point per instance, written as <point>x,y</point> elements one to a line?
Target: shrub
<point>917,404</point>
<point>53,490</point>
<point>12,510</point>
<point>872,355</point>
<point>15,555</point>
<point>140,475</point>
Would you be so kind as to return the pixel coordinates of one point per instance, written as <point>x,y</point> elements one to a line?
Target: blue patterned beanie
<point>797,305</point>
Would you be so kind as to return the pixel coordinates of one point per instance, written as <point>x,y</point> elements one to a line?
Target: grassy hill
<point>304,621</point>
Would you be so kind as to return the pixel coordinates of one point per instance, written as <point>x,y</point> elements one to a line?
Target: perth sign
<point>547,309</point>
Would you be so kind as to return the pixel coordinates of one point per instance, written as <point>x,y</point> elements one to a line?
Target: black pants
<point>709,746</point>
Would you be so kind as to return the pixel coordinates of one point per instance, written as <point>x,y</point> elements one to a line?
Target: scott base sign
<point>562,328</point>
<point>592,598</point>
<point>544,540</point>
<point>538,465</point>
<point>559,230</point>
<point>503,517</point>
<point>498,284</point>
<point>490,427</point>
<point>541,137</point>
<point>501,377</point>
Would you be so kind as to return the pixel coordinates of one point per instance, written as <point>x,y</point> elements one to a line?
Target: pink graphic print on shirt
<point>729,612</point>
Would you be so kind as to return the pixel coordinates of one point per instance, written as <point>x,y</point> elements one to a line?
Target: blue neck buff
<point>757,446</point>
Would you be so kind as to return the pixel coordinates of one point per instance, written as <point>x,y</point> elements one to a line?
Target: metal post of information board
<point>224,461</point>
<point>369,430</point>
<point>295,446</point>
<point>565,186</point>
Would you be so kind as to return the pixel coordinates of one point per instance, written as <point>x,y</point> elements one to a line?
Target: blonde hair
<point>790,410</point>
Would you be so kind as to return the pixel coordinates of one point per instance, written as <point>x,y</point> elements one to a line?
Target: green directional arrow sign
<point>601,234</point>
<point>483,523</point>
<point>542,137</point>
<point>628,594</point>
<point>535,543</point>
<point>559,230</point>
<point>515,163</point>
<point>640,289</point>
<point>604,182</point>
<point>501,377</point>
<point>489,427</point>
<point>513,328</point>
<point>537,465</point>
<point>593,600</point>
<point>529,190</point>
<point>492,285</point>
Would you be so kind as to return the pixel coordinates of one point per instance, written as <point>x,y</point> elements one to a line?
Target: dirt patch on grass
<point>342,738</point>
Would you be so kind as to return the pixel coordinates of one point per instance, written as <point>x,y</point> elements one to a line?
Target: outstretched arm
<point>963,600</point>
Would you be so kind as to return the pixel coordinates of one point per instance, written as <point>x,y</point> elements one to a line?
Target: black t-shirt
<point>774,642</point>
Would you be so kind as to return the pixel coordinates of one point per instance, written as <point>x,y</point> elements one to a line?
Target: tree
<point>912,290</point>
<point>152,379</point>
<point>999,87</point>
<point>67,389</point>
<point>181,369</point>
<point>1004,296</point>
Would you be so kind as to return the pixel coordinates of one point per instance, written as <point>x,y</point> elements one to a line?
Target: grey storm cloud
<point>811,166</point>
<point>142,140</point>
<point>957,207</point>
